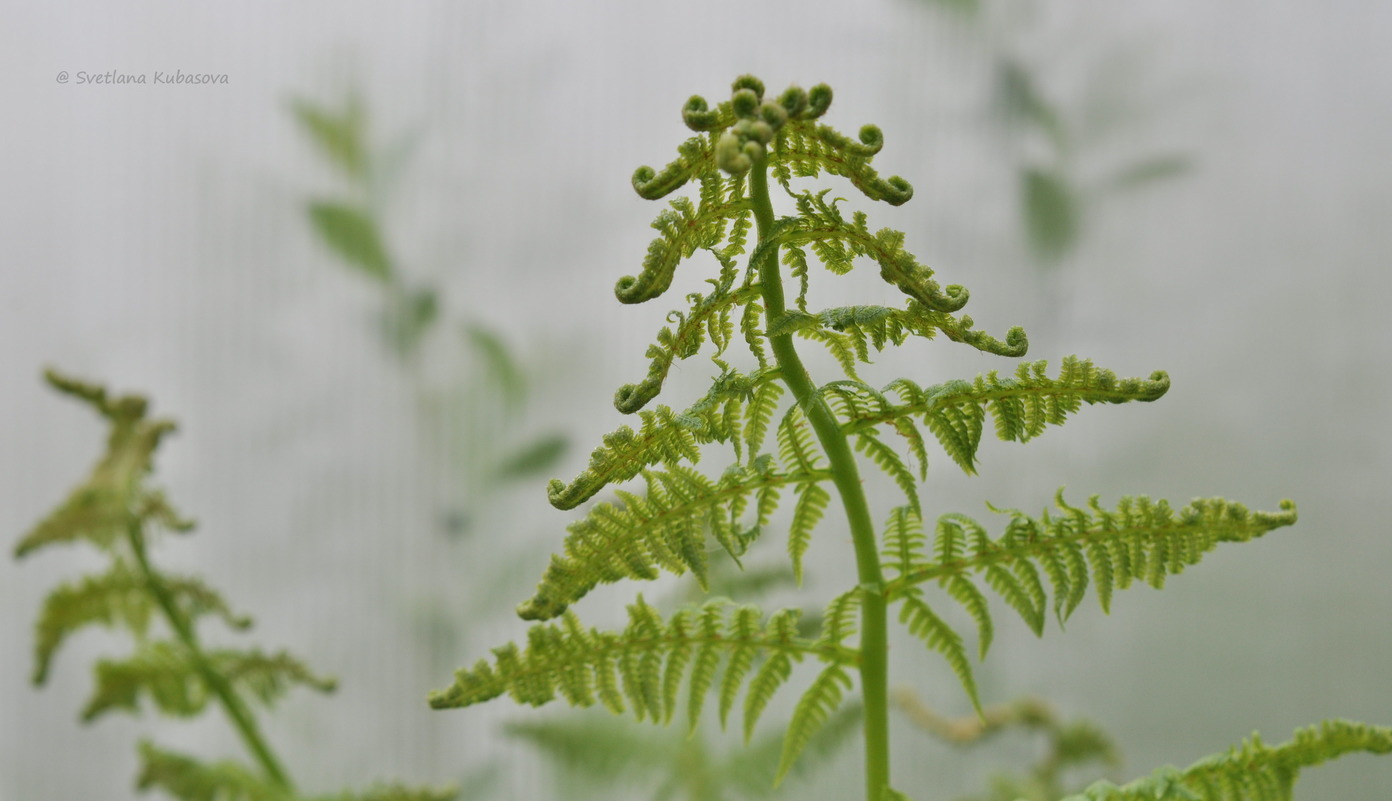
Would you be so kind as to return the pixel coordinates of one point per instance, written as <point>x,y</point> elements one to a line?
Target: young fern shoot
<point>116,511</point>
<point>655,665</point>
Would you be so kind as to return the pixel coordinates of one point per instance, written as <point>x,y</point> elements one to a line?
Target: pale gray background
<point>153,237</point>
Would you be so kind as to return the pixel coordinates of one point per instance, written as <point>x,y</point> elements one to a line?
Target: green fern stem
<point>874,637</point>
<point>237,711</point>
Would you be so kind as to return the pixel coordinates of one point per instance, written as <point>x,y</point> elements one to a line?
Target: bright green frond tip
<point>98,510</point>
<point>1252,771</point>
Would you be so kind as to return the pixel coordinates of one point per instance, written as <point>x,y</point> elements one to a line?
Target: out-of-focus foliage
<point>121,514</point>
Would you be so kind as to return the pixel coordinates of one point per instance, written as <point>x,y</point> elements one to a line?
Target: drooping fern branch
<point>171,669</point>
<point>679,518</point>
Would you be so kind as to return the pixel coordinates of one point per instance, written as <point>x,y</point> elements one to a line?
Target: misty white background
<point>154,238</point>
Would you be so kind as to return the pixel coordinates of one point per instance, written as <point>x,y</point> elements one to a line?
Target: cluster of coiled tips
<point>756,121</point>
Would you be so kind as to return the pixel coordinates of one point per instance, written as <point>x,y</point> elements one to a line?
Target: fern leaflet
<point>1252,771</point>
<point>665,528</point>
<point>1140,539</point>
<point>641,667</point>
<point>1022,406</point>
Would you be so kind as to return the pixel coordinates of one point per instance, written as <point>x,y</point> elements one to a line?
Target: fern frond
<point>782,629</point>
<point>99,509</point>
<point>665,528</point>
<point>759,414</point>
<point>164,672</point>
<point>667,438</point>
<point>683,341</point>
<point>845,350</point>
<point>812,713</point>
<point>924,624</point>
<point>888,461</point>
<point>1140,539</point>
<point>904,553</point>
<point>795,446</point>
<point>119,596</point>
<point>806,149</point>
<point>751,325</point>
<point>685,227</point>
<point>659,440</point>
<point>858,328</point>
<point>807,513</point>
<point>752,769</point>
<point>1252,771</point>
<point>696,156</point>
<point>1021,406</point>
<point>190,779</point>
<point>837,242</point>
<point>641,667</point>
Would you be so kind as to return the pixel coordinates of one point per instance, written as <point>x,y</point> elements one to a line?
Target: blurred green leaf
<point>408,316</point>
<point>338,136</point>
<point>968,8</point>
<point>1146,171</point>
<point>1051,213</point>
<point>502,367</point>
<point>353,236</point>
<point>601,748</point>
<point>534,458</point>
<point>1020,99</point>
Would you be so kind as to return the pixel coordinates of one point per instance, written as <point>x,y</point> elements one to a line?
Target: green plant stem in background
<point>874,637</point>
<point>237,711</point>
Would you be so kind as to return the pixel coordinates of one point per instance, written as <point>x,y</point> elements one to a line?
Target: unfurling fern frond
<point>806,150</point>
<point>669,438</point>
<point>686,228</point>
<point>1252,771</point>
<point>1022,406</point>
<point>855,329</point>
<point>1140,539</point>
<point>644,667</point>
<point>838,242</point>
<point>659,440</point>
<point>1038,566</point>
<point>665,528</point>
<point>708,312</point>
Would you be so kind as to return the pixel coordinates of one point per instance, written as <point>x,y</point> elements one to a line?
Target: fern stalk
<point>874,636</point>
<point>242,719</point>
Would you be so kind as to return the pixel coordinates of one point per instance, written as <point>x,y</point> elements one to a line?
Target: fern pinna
<point>678,518</point>
<point>116,511</point>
